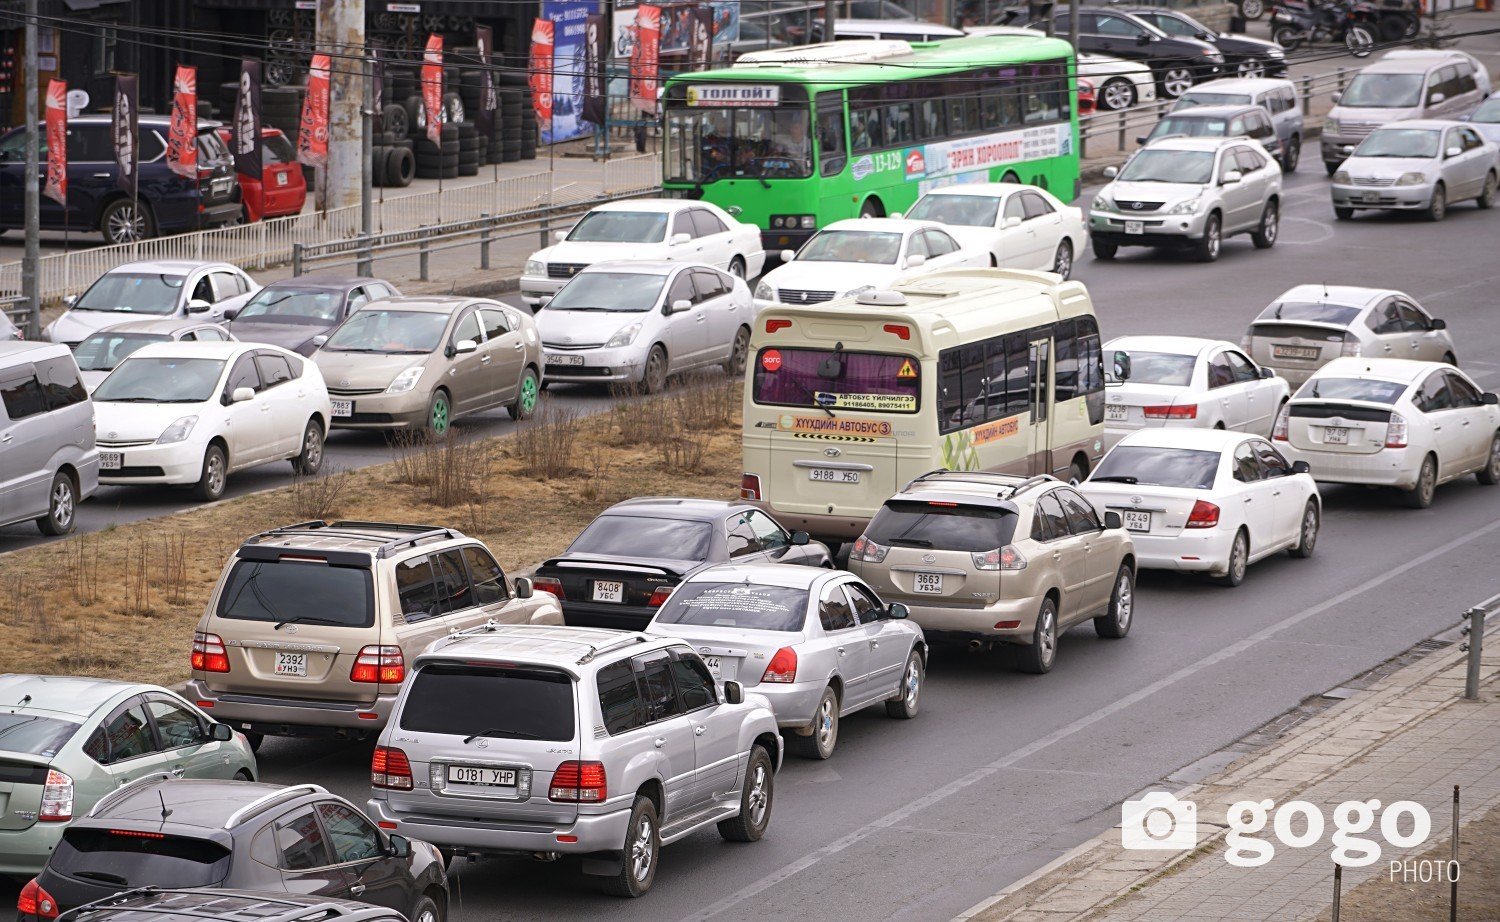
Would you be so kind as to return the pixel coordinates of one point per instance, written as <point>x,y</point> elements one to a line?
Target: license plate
<point>343,407</point>
<point>1116,414</point>
<point>482,777</point>
<point>1135,227</point>
<point>1335,435</point>
<point>282,179</point>
<point>928,582</point>
<point>554,358</point>
<point>1296,352</point>
<point>831,475</point>
<point>1136,520</point>
<point>111,460</point>
<point>291,664</point>
<point>1371,196</point>
<point>609,590</point>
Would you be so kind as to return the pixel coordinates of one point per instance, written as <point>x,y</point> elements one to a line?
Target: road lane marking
<point>958,785</point>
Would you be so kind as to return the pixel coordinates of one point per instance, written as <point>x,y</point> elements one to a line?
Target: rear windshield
<point>302,591</point>
<point>1310,311</point>
<point>103,351</point>
<point>1386,392</point>
<point>33,735</point>
<point>124,858</point>
<point>1161,368</point>
<point>1190,126</point>
<point>490,701</point>
<point>1192,99</point>
<point>968,210</point>
<point>1158,467</point>
<point>639,536</point>
<point>741,605</point>
<point>904,523</point>
<point>866,381</point>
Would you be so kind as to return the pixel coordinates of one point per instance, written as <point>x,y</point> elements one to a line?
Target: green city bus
<point>796,138</point>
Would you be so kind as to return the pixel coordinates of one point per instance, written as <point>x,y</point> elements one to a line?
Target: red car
<point>282,189</point>
<point>1087,97</point>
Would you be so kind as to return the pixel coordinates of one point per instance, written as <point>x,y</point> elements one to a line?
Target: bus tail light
<point>775,324</point>
<point>899,330</point>
<point>749,486</point>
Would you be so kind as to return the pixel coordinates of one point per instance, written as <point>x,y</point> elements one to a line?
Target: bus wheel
<point>871,209</point>
<point>1078,470</point>
<point>1011,177</point>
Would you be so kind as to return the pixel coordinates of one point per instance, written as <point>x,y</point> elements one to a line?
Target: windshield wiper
<point>130,400</point>
<point>811,395</point>
<point>499,731</point>
<point>1115,478</point>
<point>104,876</point>
<point>912,542</point>
<point>304,619</point>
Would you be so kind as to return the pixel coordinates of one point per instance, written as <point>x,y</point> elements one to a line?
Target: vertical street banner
<point>245,139</point>
<point>124,121</point>
<point>57,142</point>
<point>377,89</point>
<point>542,35</point>
<point>182,137</point>
<point>700,37</point>
<point>432,88</point>
<point>312,130</point>
<point>644,58</point>
<point>569,20</point>
<point>595,53</point>
<point>484,120</point>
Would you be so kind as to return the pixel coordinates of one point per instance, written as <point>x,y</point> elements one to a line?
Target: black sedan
<point>1243,56</point>
<point>622,567</point>
<point>296,313</point>
<point>1177,62</point>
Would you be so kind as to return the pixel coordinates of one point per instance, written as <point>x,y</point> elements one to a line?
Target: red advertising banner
<point>543,44</point>
<point>57,142</point>
<point>312,131</point>
<point>432,88</point>
<point>182,138</point>
<point>645,57</point>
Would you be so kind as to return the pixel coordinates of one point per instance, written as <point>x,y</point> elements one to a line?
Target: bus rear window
<point>834,379</point>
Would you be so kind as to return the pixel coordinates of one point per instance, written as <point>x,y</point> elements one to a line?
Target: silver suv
<point>1189,193</point>
<point>540,741</point>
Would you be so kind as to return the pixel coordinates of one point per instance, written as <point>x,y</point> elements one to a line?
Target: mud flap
<point>603,864</point>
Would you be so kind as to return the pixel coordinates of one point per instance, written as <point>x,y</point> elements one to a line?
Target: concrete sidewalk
<point>1409,736</point>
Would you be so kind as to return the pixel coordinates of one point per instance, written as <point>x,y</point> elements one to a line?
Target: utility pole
<point>31,288</point>
<point>341,32</point>
<point>366,151</point>
<point>1073,31</point>
<point>830,16</point>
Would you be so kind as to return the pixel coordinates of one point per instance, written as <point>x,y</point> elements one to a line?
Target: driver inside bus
<point>794,143</point>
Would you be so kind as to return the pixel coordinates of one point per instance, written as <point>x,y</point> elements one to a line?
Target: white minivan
<point>1436,85</point>
<point>48,463</point>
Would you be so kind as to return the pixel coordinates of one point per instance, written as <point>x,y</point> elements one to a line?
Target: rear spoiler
<point>634,565</point>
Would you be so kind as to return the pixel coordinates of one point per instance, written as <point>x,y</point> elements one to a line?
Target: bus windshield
<point>834,379</point>
<point>705,144</point>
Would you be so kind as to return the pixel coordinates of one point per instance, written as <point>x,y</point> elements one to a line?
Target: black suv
<point>1243,56</point>
<point>170,203</point>
<point>235,834</point>
<point>1178,62</point>
<point>151,904</point>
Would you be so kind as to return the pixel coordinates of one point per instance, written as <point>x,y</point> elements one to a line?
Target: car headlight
<point>1341,177</point>
<point>406,380</point>
<point>1330,126</point>
<point>624,337</point>
<point>1411,179</point>
<point>1187,207</point>
<point>178,431</point>
<point>1275,53</point>
<point>535,267</point>
<point>765,292</point>
<point>1101,203</point>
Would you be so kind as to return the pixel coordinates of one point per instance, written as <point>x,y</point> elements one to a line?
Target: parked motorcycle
<point>1352,22</point>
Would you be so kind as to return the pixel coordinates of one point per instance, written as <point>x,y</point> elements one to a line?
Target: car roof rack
<point>596,649</point>
<point>260,804</point>
<point>355,529</point>
<point>114,796</point>
<point>982,479</point>
<point>492,626</point>
<point>1029,483</point>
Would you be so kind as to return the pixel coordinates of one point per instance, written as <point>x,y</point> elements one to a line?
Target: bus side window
<point>1018,374</point>
<point>1091,367</point>
<point>831,148</point>
<point>1065,369</point>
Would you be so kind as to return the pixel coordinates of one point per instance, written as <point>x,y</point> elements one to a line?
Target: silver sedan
<point>1417,165</point>
<point>818,644</point>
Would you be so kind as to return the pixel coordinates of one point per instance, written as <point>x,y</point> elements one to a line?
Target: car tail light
<point>749,486</point>
<point>1351,345</point>
<point>1188,411</point>
<point>579,782</point>
<point>384,665</point>
<point>550,585</point>
<point>1279,430</point>
<point>1005,558</point>
<point>1395,431</point>
<point>390,768</point>
<point>205,172</point>
<point>783,667</point>
<point>35,901</point>
<point>57,798</point>
<point>659,596</point>
<point>868,551</point>
<point>773,325</point>
<point>208,653</point>
<point>1204,515</point>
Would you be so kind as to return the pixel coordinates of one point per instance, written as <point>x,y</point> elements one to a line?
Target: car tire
<point>215,476</point>
<point>1343,214</point>
<point>737,268</point>
<point>243,775</point>
<point>1114,624</point>
<point>1359,40</point>
<point>1251,68</point>
<point>1420,496</point>
<point>426,910</point>
<point>1062,260</point>
<point>824,738</point>
<point>738,353</point>
<point>1207,248</point>
<point>1486,198</point>
<point>1116,94</point>
<point>310,460</point>
<point>62,507</point>
<point>640,854</point>
<point>1489,475</point>
<point>439,413</point>
<point>1292,156</point>
<point>1176,79</point>
<point>1437,209</point>
<point>654,375</point>
<point>254,739</point>
<point>756,799</point>
<point>396,120</point>
<point>909,702</point>
<point>527,395</point>
<point>1103,249</point>
<point>1264,236</point>
<point>1038,657</point>
<point>115,221</point>
<point>1450,359</point>
<point>1239,561</point>
<point>1307,532</point>
<point>1252,9</point>
<point>1331,168</point>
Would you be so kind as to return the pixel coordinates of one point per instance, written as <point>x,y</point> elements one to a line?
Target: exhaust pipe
<point>976,645</point>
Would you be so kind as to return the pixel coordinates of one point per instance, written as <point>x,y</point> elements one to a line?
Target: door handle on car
<point>6,437</point>
<point>518,346</point>
<point>484,360</point>
<point>1249,499</point>
<point>660,741</point>
<point>179,771</point>
<point>357,889</point>
<point>101,175</point>
<point>699,731</point>
<point>841,651</point>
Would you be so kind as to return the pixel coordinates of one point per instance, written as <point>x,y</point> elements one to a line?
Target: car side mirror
<point>915,260</point>
<point>1143,39</point>
<point>523,587</point>
<point>231,312</point>
<point>1231,177</point>
<point>1121,362</point>
<point>198,306</point>
<point>680,305</point>
<point>734,693</point>
<point>559,236</point>
<point>544,300</point>
<point>1110,172</point>
<point>1453,151</point>
<point>800,538</point>
<point>1336,97</point>
<point>1301,467</point>
<point>465,346</point>
<point>400,847</point>
<point>221,733</point>
<point>70,300</point>
<point>679,239</point>
<point>1438,324</point>
<point>1267,373</point>
<point>1463,118</point>
<point>898,612</point>
<point>1435,98</point>
<point>1010,222</point>
<point>242,394</point>
<point>898,215</point>
<point>1141,140</point>
<point>320,339</point>
<point>1112,520</point>
<point>788,255</point>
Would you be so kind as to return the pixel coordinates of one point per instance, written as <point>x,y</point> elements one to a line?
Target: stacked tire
<point>393,162</point>
<point>509,124</point>
<point>438,161</point>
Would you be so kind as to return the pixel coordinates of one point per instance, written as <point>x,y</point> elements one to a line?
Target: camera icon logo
<point>1159,821</point>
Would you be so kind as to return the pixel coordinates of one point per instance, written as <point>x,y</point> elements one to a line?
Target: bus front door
<point>1040,454</point>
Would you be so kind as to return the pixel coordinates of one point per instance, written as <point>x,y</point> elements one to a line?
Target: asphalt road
<point>1003,772</point>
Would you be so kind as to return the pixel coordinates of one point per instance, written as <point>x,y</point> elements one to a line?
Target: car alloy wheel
<point>1062,263</point>
<point>735,367</point>
<point>1176,81</point>
<point>1239,557</point>
<point>1251,68</point>
<point>1252,9</point>
<point>1046,635</point>
<point>826,724</point>
<point>1438,208</point>
<point>737,267</point>
<point>1487,197</point>
<point>759,799</point>
<point>437,414</point>
<point>1489,475</point>
<point>1124,601</point>
<point>62,504</point>
<point>643,848</point>
<point>1117,94</point>
<point>1420,497</point>
<point>125,224</point>
<point>1309,528</point>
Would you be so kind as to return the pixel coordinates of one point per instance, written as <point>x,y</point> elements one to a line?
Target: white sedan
<point>1022,227</point>
<point>1393,422</point>
<point>152,289</point>
<point>665,229</point>
<point>193,413</point>
<point>1120,83</point>
<point>638,322</point>
<point>858,254</point>
<point>1208,501</point>
<point>1181,382</point>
